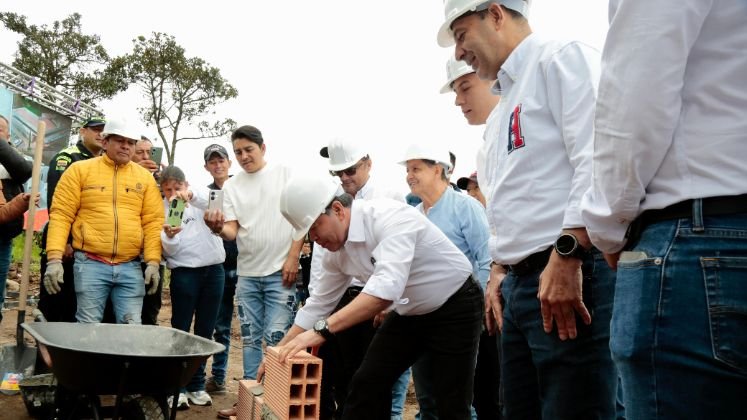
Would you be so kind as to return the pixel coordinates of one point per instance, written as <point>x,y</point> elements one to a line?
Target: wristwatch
<point>321,328</point>
<point>567,246</point>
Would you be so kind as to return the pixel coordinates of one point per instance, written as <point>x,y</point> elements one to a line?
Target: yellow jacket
<point>115,211</point>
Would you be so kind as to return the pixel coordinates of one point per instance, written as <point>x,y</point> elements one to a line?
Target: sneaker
<point>182,403</point>
<point>214,387</point>
<point>199,398</point>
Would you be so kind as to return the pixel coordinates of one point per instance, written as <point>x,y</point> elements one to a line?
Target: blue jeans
<point>196,292</point>
<point>222,332</point>
<point>678,328</point>
<point>544,377</point>
<point>266,310</point>
<point>6,248</point>
<point>96,281</point>
<point>399,394</point>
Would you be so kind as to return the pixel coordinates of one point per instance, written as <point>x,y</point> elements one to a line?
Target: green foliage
<point>179,90</point>
<point>63,57</point>
<point>17,255</point>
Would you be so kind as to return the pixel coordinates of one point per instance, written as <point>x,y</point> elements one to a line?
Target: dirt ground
<point>12,407</point>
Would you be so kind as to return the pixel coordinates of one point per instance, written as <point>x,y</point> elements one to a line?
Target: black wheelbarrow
<point>143,363</point>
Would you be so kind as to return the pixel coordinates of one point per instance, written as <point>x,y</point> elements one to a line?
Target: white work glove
<point>152,277</point>
<point>53,277</point>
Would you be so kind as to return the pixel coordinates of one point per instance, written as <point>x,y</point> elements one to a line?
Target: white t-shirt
<point>264,236</point>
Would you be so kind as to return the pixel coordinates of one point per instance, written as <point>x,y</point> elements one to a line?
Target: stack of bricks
<point>292,388</point>
<point>250,405</point>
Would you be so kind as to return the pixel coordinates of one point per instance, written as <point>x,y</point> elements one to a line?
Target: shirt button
<point>657,261</point>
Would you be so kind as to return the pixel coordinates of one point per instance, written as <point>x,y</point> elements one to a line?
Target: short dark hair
<point>248,132</point>
<point>172,173</point>
<point>345,199</point>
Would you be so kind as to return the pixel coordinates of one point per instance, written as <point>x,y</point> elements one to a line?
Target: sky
<point>309,71</point>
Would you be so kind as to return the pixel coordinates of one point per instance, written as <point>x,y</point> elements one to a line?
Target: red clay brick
<point>244,409</point>
<point>292,388</point>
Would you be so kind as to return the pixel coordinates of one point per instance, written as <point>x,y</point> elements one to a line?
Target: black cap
<point>464,181</point>
<point>215,148</point>
<point>94,122</point>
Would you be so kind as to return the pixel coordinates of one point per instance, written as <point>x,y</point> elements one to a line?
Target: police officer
<point>62,306</point>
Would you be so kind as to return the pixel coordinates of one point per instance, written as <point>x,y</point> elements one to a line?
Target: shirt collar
<point>356,230</point>
<point>365,189</point>
<point>511,68</point>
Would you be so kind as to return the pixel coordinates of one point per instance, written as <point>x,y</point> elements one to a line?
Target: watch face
<point>566,244</point>
<point>320,325</point>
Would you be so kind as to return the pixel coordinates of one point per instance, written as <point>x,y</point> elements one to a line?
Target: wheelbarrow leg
<point>175,398</point>
<point>121,390</point>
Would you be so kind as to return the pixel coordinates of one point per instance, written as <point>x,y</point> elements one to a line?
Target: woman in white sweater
<point>195,257</point>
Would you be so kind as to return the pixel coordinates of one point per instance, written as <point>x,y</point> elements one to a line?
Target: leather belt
<point>711,206</point>
<point>534,262</point>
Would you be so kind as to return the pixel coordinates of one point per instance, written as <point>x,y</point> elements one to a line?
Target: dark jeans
<point>487,401</point>
<point>152,303</point>
<point>546,378</point>
<point>222,332</point>
<point>680,320</point>
<point>61,306</point>
<point>449,335</point>
<point>196,292</point>
<point>341,358</point>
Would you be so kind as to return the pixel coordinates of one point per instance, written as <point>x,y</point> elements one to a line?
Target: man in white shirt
<point>537,164</point>
<point>268,256</point>
<point>476,101</point>
<point>407,264</point>
<point>669,156</point>
<point>349,161</point>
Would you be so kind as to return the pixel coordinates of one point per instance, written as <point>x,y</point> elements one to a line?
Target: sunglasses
<point>351,171</point>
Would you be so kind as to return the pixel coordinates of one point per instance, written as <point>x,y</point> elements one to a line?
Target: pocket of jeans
<point>635,308</point>
<point>726,292</point>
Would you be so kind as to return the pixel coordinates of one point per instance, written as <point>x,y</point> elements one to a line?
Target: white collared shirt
<point>536,158</point>
<point>398,254</point>
<point>369,191</point>
<point>671,116</point>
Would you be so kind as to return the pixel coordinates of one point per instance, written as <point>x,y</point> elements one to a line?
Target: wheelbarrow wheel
<point>145,408</point>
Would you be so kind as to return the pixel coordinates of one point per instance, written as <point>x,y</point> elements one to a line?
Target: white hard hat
<point>454,9</point>
<point>454,70</point>
<point>303,200</point>
<point>342,153</point>
<point>427,152</point>
<point>119,127</point>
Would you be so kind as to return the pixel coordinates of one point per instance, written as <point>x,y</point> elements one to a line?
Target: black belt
<point>711,206</point>
<point>534,262</point>
<point>353,291</point>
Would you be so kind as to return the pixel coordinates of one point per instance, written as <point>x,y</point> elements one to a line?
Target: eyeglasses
<point>351,171</point>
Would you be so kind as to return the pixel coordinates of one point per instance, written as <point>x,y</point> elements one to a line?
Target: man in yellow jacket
<point>113,208</point>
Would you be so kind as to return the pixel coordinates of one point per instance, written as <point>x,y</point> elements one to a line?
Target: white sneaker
<point>182,403</point>
<point>199,398</point>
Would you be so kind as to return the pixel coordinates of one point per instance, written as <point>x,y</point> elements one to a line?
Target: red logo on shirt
<point>515,139</point>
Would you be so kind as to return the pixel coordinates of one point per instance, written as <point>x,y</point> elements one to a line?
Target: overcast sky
<point>308,71</point>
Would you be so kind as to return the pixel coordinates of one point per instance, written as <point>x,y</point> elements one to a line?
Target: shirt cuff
<point>304,319</point>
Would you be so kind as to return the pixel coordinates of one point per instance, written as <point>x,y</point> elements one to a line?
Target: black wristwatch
<point>567,246</point>
<point>321,328</point>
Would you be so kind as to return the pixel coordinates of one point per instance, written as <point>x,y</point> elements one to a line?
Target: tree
<point>64,58</point>
<point>179,90</point>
